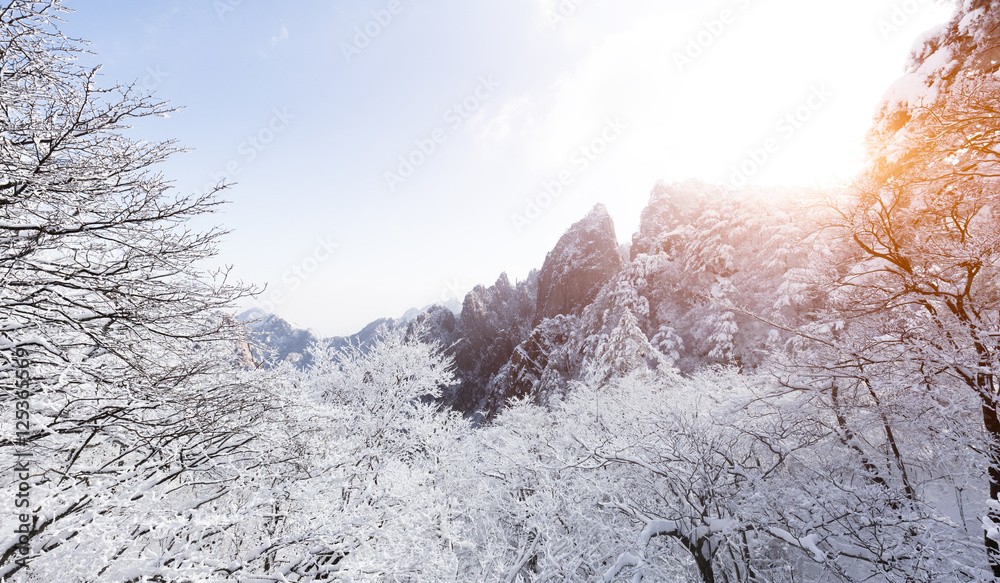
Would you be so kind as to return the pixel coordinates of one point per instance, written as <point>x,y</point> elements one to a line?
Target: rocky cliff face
<point>437,324</point>
<point>586,257</point>
<point>583,261</point>
<point>510,340</point>
<point>493,322</point>
<point>538,366</point>
<point>671,206</point>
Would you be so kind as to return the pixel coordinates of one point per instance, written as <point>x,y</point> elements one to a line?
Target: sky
<point>390,154</point>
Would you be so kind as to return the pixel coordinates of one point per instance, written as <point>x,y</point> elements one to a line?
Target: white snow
<point>807,543</point>
<point>625,560</point>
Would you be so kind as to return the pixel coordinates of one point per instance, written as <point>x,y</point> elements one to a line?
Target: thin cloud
<point>281,36</point>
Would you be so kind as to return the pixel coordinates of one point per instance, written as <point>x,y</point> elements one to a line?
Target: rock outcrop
<point>538,366</point>
<point>586,257</point>
<point>493,322</point>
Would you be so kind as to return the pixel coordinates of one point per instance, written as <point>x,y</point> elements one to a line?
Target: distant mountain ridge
<point>275,340</point>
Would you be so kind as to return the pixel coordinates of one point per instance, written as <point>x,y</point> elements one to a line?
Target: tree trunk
<point>705,568</point>
<point>700,550</point>
<point>991,421</point>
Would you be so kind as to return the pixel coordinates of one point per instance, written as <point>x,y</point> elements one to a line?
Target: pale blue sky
<point>308,113</point>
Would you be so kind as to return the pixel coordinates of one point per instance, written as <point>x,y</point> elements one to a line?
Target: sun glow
<point>742,94</point>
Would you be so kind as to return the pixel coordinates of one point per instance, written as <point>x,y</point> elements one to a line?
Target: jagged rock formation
<point>509,340</point>
<point>671,206</point>
<point>493,322</point>
<point>583,261</point>
<point>590,313</point>
<point>542,361</point>
<point>438,324</point>
<point>586,257</point>
<point>700,249</point>
<point>452,305</point>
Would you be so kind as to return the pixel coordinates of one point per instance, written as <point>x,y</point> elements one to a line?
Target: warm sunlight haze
<point>284,100</point>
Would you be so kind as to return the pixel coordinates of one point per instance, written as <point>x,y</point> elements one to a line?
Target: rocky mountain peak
<point>583,260</point>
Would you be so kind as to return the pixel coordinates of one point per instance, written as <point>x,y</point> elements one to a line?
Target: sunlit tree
<point>924,246</point>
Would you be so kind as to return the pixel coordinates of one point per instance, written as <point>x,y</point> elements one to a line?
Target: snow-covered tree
<point>704,258</point>
<point>134,411</point>
<point>359,486</point>
<point>625,351</point>
<point>919,241</point>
